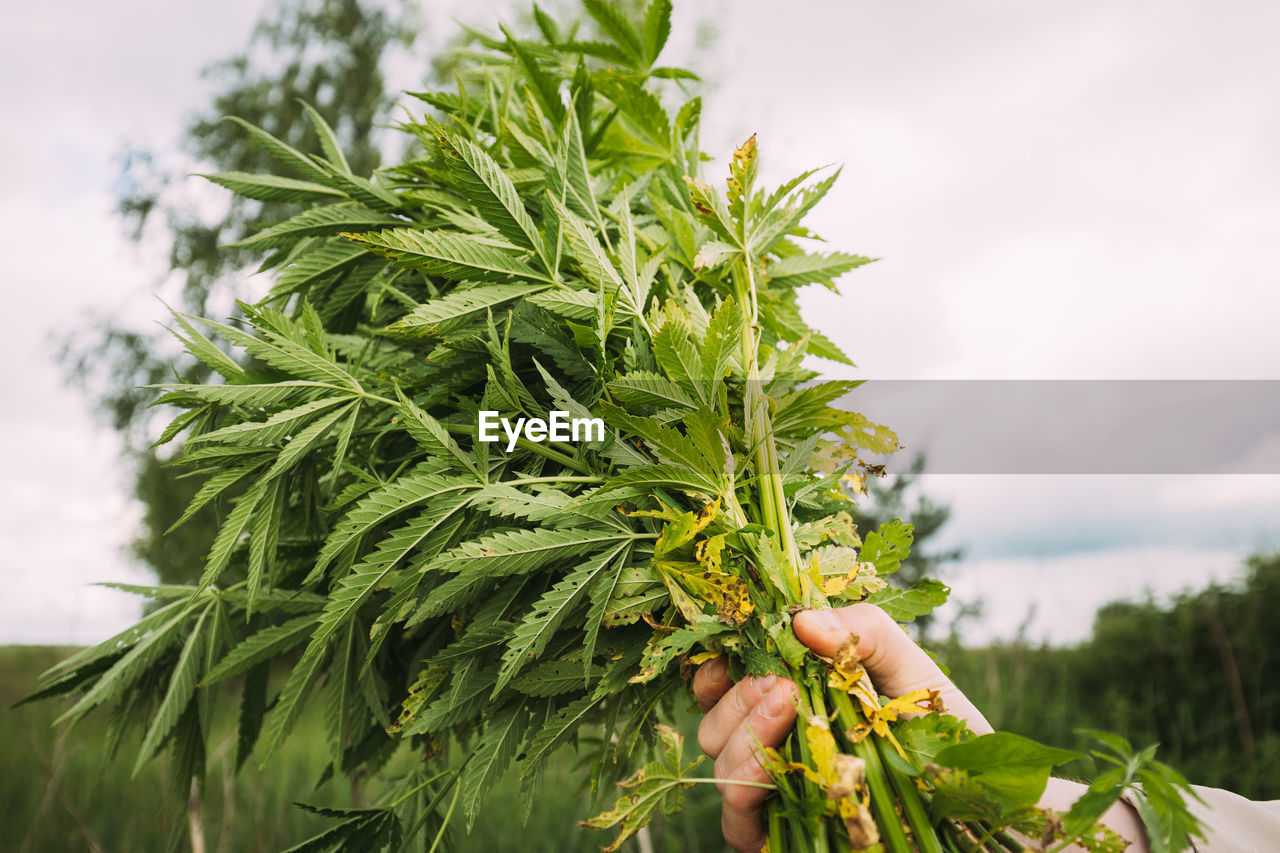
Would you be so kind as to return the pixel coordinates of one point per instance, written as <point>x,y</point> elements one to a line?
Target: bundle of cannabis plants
<point>549,255</point>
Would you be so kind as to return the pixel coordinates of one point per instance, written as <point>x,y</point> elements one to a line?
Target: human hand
<point>761,710</point>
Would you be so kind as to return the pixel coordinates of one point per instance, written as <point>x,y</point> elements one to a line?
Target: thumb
<point>897,666</point>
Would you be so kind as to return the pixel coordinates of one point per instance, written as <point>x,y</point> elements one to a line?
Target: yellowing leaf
<point>681,530</point>
<point>708,552</point>
<point>658,785</point>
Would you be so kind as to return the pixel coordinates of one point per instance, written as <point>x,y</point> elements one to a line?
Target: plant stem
<point>777,838</point>
<point>909,796</point>
<point>891,832</point>
<point>759,428</point>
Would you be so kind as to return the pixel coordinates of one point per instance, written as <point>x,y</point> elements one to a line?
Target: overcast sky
<point>1086,190</point>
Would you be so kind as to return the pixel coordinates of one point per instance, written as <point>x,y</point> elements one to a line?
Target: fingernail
<point>823,620</point>
<point>775,703</point>
<point>765,683</point>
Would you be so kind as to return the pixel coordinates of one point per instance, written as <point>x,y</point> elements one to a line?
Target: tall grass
<point>59,792</point>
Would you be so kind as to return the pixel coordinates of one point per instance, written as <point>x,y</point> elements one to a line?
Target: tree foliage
<point>1192,675</point>
<point>323,55</point>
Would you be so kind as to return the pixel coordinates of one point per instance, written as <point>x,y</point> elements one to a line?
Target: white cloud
<point>1029,516</point>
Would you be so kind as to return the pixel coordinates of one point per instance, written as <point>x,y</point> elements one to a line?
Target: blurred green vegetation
<point>59,791</point>
<point>1198,676</point>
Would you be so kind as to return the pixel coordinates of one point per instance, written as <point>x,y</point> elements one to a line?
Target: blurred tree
<point>1196,676</point>
<point>330,54</point>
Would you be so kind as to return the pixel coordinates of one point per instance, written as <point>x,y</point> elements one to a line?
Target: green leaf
<point>125,672</point>
<point>182,686</point>
<point>210,489</point>
<point>530,637</point>
<point>372,573</point>
<point>657,785</point>
<point>673,449</point>
<point>617,27</point>
<point>645,389</point>
<point>229,533</point>
<point>557,731</point>
<point>431,434</point>
<point>282,717</point>
<point>667,476</point>
<point>331,259</point>
<point>467,700</point>
<point>663,649</point>
<point>594,264</point>
<point>552,678</point>
<point>545,87</point>
<point>924,736</point>
<point>887,546</point>
<point>275,428</point>
<point>289,356</point>
<point>432,317</point>
<point>512,552</point>
<point>576,177</point>
<point>359,829</point>
<point>264,535</point>
<point>253,395</point>
<point>449,254</point>
<point>783,219</point>
<point>657,28</point>
<point>799,270</point>
<point>679,360</point>
<point>205,350</point>
<point>782,317</point>
<point>286,154</point>
<point>327,221</point>
<point>1012,767</point>
<point>720,345</point>
<point>409,491</point>
<point>273,188</point>
<point>1160,793</point>
<point>503,735</point>
<point>253,707</point>
<point>329,143</point>
<point>307,438</point>
<point>602,594</point>
<point>574,304</point>
<point>261,647</point>
<point>483,183</point>
<point>905,605</point>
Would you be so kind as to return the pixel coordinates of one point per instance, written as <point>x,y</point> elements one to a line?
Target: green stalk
<point>909,796</point>
<point>774,514</point>
<point>1009,842</point>
<point>777,839</point>
<point>959,841</point>
<point>996,839</point>
<point>773,502</point>
<point>891,832</point>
